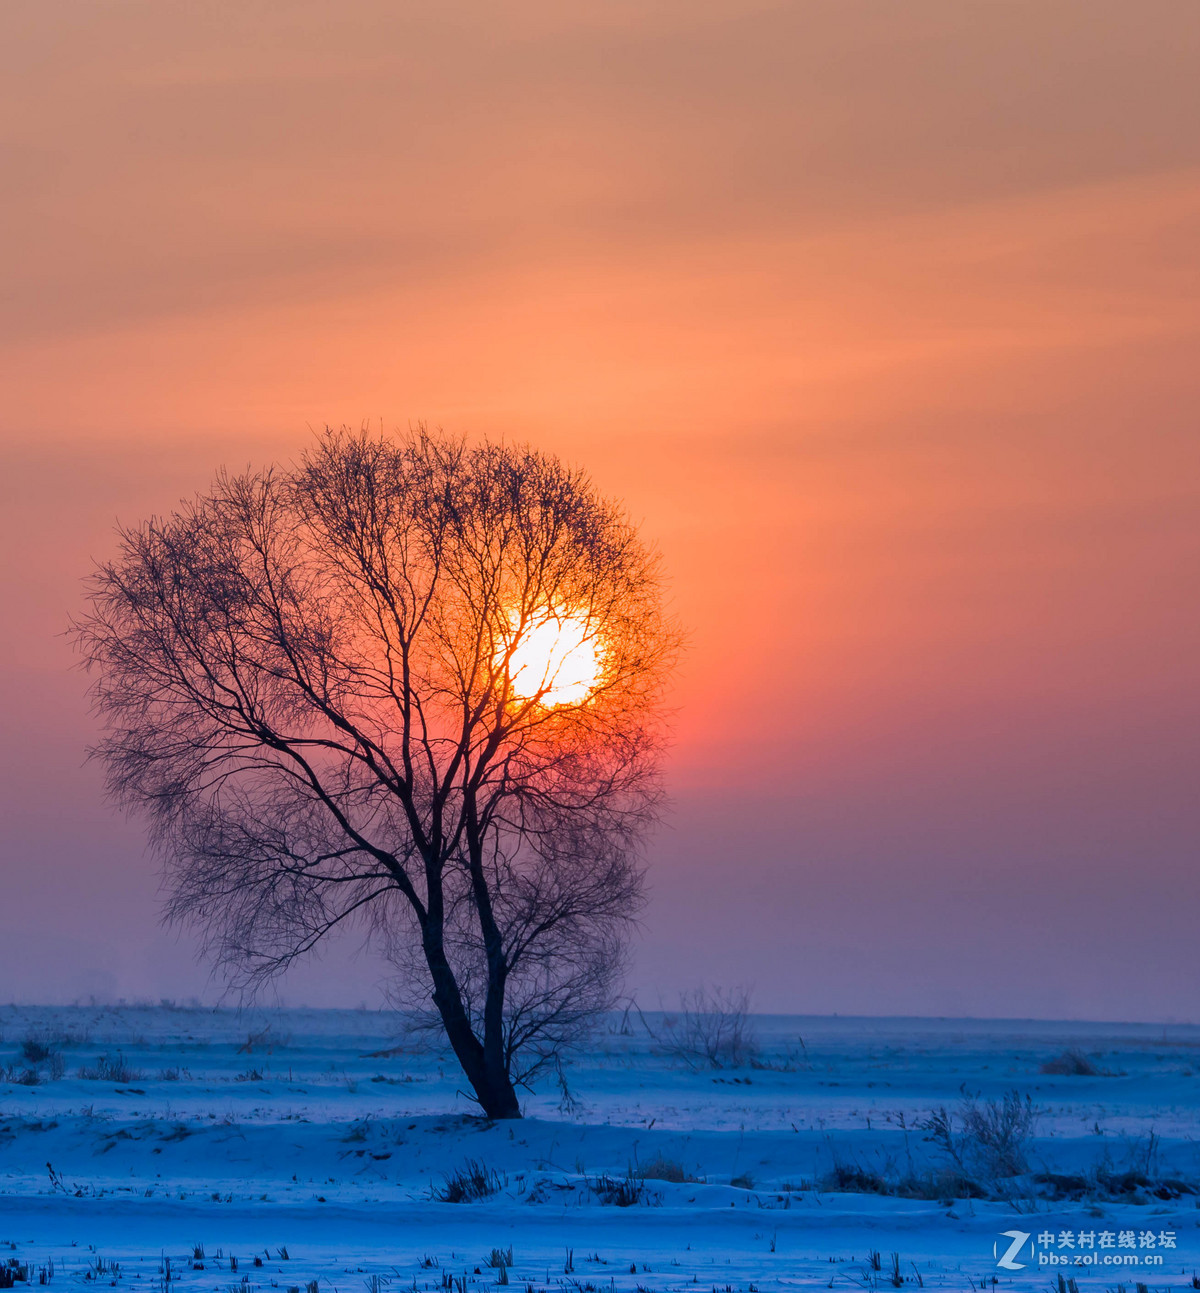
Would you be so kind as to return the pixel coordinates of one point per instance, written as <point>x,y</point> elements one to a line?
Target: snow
<point>323,1134</point>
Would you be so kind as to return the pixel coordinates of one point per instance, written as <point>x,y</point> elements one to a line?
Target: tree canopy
<point>415,684</point>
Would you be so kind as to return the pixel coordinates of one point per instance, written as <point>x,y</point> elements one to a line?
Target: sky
<point>882,320</point>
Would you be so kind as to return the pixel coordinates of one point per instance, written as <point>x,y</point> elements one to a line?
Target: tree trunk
<point>492,1086</point>
<point>495,1062</point>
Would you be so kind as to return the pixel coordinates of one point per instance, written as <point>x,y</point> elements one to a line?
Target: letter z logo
<point>1019,1239</point>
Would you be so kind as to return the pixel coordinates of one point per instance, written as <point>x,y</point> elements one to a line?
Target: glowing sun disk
<point>555,661</point>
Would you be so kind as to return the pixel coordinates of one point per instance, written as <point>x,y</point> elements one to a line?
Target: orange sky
<point>882,317</point>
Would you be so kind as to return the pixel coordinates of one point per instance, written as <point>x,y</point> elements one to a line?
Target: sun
<point>556,661</point>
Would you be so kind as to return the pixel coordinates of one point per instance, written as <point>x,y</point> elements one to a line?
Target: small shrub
<point>39,1049</point>
<point>989,1143</point>
<point>1072,1063</point>
<point>712,1029</point>
<point>850,1178</point>
<point>618,1192</point>
<point>110,1068</point>
<point>263,1040</point>
<point>468,1184</point>
<point>36,1049</point>
<point>1063,1185</point>
<point>499,1257</point>
<point>663,1169</point>
<point>1129,1186</point>
<point>945,1185</point>
<point>895,1278</point>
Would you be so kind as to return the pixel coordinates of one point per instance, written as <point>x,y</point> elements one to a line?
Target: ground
<point>317,1142</point>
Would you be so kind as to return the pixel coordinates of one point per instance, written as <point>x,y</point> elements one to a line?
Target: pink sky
<point>882,318</point>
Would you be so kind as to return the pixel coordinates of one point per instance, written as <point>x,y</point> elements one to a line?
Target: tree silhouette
<point>414,684</point>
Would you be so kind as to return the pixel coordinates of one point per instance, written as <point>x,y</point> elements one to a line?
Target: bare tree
<point>713,1028</point>
<point>410,683</point>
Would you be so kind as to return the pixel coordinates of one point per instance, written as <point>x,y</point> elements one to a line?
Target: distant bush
<point>39,1050</point>
<point>989,1141</point>
<point>850,1178</point>
<point>619,1192</point>
<point>1112,1185</point>
<point>36,1049</point>
<point>110,1068</point>
<point>943,1185</point>
<point>22,1077</point>
<point>264,1040</point>
<point>468,1184</point>
<point>663,1169</point>
<point>712,1029</point>
<point>1072,1063</point>
<point>38,1046</point>
<point>1137,1181</point>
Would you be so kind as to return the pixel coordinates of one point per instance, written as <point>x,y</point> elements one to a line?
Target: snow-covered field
<point>301,1145</point>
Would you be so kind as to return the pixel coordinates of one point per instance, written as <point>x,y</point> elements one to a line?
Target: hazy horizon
<point>265,1007</point>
